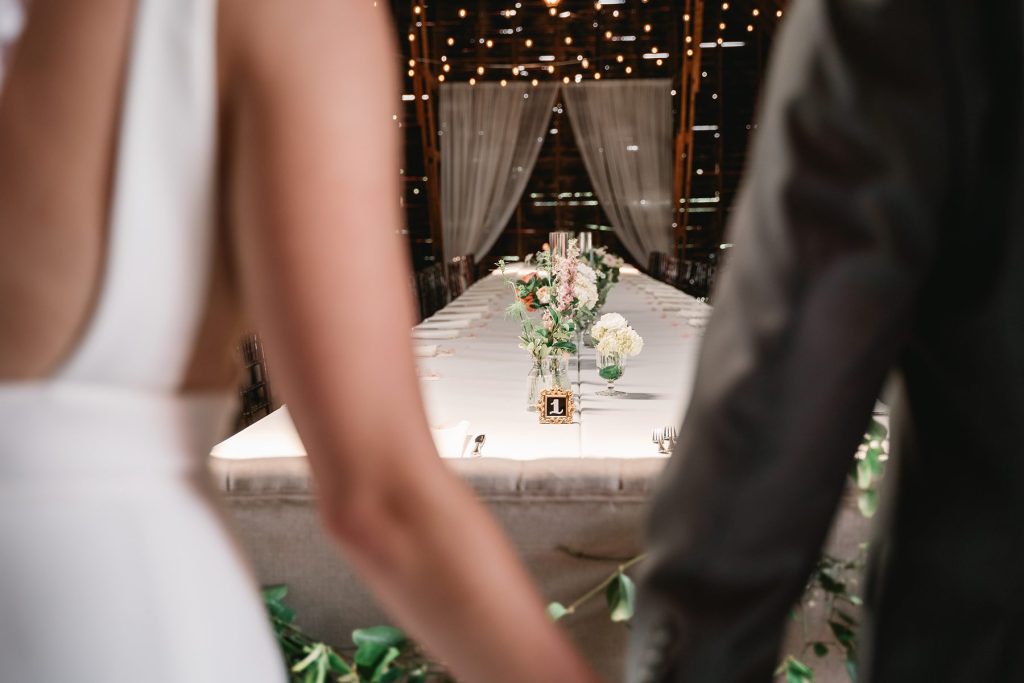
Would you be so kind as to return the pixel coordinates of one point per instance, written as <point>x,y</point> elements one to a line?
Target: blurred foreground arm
<point>314,171</point>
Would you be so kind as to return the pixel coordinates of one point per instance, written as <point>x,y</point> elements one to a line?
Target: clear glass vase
<point>550,372</point>
<point>610,366</point>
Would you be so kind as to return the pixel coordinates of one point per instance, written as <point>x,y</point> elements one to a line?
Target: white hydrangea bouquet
<point>615,341</point>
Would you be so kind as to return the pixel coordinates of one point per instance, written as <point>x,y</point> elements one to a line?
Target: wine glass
<point>610,367</point>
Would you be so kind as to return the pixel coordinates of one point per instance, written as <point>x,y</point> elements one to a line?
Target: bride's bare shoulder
<point>266,37</point>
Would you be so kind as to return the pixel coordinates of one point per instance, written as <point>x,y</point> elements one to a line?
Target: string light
<point>689,53</point>
<point>721,26</point>
<point>412,37</point>
<point>534,82</point>
<point>619,59</point>
<point>568,40</point>
<point>647,28</point>
<point>565,80</point>
<point>629,69</point>
<point>552,11</point>
<point>689,39</point>
<point>756,12</point>
<point>440,78</point>
<point>585,63</point>
<point>451,41</point>
<point>551,69</point>
<point>447,68</point>
<point>411,73</point>
<point>658,62</point>
<point>479,71</point>
<point>412,63</point>
<point>529,42</point>
<point>503,83</point>
<point>462,14</point>
<point>490,43</point>
<point>750,27</point>
<point>417,9</point>
<point>444,58</point>
<point>608,35</point>
<point>597,75</point>
<point>725,6</point>
<point>686,17</point>
<point>779,14</point>
<point>472,81</point>
<point>597,6</point>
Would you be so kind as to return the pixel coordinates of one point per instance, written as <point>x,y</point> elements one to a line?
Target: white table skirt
<point>480,377</point>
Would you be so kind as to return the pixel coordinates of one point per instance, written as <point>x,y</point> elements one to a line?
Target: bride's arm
<point>314,198</point>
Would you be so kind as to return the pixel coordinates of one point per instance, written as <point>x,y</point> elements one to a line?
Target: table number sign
<point>556,406</point>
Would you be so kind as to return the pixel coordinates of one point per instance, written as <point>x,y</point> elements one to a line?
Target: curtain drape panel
<point>490,138</point>
<point>624,132</point>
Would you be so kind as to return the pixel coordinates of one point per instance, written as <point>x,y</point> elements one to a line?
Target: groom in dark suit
<point>881,228</point>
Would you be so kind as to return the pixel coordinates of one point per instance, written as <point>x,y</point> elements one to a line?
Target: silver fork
<point>671,435</point>
<point>658,439</point>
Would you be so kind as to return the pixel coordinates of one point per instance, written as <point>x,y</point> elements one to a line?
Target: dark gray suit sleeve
<point>835,231</point>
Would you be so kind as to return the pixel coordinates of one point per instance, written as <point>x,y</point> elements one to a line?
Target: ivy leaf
<point>830,583</point>
<point>846,617</point>
<point>867,502</point>
<point>843,633</point>
<point>851,669</point>
<point>275,593</point>
<point>798,672</point>
<point>876,431</point>
<point>873,460</point>
<point>374,643</point>
<point>556,611</point>
<point>863,475</point>
<point>621,598</point>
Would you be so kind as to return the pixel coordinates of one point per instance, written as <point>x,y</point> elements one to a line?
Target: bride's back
<point>58,127</point>
<point>60,118</point>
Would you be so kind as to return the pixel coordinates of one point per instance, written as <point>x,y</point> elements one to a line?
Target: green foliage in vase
<point>610,372</point>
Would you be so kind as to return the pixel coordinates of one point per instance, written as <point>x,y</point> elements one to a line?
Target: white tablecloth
<point>480,377</point>
<point>485,380</point>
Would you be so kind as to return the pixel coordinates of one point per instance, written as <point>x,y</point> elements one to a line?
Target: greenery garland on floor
<point>383,654</point>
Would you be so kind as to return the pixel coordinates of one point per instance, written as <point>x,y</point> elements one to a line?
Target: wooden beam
<point>425,92</point>
<point>689,87</point>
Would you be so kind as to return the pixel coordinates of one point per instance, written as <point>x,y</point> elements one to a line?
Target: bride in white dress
<point>161,160</point>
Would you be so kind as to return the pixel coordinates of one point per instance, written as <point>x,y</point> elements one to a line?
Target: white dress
<point>115,563</point>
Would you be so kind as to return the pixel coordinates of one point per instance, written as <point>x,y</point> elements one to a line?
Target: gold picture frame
<point>556,407</point>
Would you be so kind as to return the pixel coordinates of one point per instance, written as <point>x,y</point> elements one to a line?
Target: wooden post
<point>425,92</point>
<point>689,87</point>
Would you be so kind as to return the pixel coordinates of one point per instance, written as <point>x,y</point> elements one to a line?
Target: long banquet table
<point>474,379</point>
<point>484,381</point>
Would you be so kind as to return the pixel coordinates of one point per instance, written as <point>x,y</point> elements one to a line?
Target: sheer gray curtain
<point>490,138</point>
<point>624,133</point>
